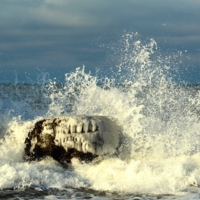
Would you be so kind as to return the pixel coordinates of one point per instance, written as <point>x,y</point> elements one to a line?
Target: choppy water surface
<point>159,120</point>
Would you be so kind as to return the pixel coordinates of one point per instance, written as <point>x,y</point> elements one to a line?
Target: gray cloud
<point>69,33</point>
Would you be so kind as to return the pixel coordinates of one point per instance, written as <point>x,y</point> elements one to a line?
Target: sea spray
<point>158,117</point>
<point>161,120</point>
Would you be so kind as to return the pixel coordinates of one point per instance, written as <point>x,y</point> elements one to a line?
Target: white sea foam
<point>159,121</point>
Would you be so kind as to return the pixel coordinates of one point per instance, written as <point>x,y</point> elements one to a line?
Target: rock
<point>66,137</point>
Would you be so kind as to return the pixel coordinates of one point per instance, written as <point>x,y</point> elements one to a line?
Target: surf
<point>158,117</point>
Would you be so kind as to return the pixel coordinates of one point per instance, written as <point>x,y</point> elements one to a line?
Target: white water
<point>159,120</point>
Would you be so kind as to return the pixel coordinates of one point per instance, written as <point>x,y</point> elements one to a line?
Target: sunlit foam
<point>159,121</point>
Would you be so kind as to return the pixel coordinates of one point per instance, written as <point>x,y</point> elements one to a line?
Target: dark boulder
<point>66,137</point>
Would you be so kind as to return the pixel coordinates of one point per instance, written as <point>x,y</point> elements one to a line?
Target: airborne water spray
<point>169,107</point>
<point>159,118</point>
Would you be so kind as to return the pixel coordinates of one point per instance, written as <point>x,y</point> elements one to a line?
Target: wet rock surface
<point>67,137</point>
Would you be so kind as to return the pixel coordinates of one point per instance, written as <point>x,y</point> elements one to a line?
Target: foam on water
<point>159,120</point>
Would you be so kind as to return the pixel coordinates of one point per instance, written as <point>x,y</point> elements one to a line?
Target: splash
<point>159,120</point>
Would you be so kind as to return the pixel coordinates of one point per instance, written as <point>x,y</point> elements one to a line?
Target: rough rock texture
<point>66,137</point>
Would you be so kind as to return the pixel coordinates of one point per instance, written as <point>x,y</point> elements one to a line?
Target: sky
<point>57,36</point>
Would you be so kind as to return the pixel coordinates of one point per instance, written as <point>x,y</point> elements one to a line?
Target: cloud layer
<point>69,33</point>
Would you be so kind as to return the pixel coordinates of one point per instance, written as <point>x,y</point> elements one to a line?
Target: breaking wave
<point>158,116</point>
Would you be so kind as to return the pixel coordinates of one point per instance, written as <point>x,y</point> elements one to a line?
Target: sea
<point>159,119</point>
